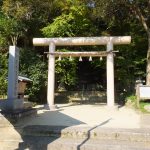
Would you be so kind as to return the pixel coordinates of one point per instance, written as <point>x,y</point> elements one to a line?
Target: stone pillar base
<point>12,104</point>
<point>51,107</point>
<point>112,108</point>
<point>11,118</point>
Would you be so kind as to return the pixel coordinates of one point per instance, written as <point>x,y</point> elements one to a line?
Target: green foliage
<point>131,98</point>
<point>72,23</point>
<point>27,18</point>
<point>66,71</point>
<point>15,8</point>
<point>3,42</point>
<point>20,21</point>
<point>142,105</point>
<point>32,66</point>
<point>3,73</point>
<point>10,30</point>
<point>130,101</point>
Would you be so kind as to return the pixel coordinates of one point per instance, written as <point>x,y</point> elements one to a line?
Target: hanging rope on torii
<point>81,54</point>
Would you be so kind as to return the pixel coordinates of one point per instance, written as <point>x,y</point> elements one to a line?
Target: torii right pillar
<point>110,76</point>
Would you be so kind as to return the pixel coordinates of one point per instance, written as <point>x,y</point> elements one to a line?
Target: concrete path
<point>86,115</point>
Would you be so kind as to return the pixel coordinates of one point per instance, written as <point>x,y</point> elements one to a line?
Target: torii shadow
<point>39,130</point>
<point>35,135</point>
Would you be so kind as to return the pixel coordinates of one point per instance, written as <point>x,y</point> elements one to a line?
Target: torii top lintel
<point>66,41</point>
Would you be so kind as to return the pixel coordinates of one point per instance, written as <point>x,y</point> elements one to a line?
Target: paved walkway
<point>88,115</point>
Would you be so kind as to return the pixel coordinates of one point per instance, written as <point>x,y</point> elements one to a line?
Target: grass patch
<point>3,96</point>
<point>142,105</point>
<point>131,102</point>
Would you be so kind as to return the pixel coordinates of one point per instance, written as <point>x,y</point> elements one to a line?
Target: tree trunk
<point>14,39</point>
<point>148,61</point>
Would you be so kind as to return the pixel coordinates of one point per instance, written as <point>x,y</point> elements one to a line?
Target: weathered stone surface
<point>73,138</point>
<point>10,118</point>
<point>81,96</point>
<point>90,144</point>
<point>26,136</point>
<point>141,135</point>
<point>145,121</point>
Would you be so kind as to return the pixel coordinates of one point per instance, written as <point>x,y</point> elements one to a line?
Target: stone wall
<point>80,96</point>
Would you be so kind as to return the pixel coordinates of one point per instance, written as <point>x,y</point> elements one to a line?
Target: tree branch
<point>149,5</point>
<point>140,16</point>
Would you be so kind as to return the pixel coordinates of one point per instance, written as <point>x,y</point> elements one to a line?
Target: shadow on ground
<point>33,135</point>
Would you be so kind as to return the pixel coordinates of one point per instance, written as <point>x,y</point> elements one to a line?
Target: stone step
<point>93,144</point>
<point>27,143</point>
<point>11,118</point>
<point>74,138</point>
<point>141,135</point>
<point>145,121</point>
<point>9,144</point>
<point>9,133</point>
<point>28,104</point>
<point>48,143</point>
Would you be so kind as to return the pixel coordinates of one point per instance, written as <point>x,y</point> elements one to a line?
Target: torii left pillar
<point>51,78</point>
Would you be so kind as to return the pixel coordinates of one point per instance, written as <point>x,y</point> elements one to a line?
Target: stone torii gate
<point>80,41</point>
